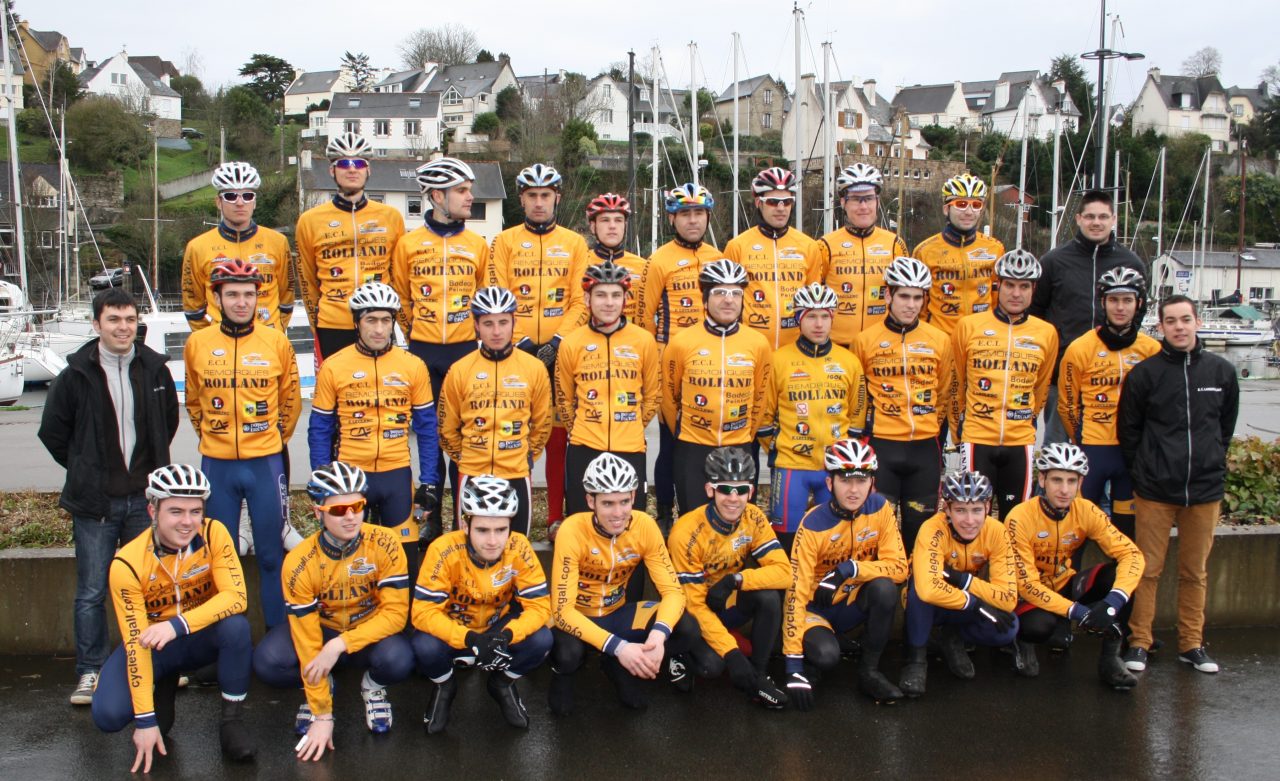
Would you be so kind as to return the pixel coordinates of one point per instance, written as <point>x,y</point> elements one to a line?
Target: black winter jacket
<point>76,430</point>
<point>1176,418</point>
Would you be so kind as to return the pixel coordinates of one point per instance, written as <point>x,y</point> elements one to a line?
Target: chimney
<point>869,91</point>
<point>1154,73</point>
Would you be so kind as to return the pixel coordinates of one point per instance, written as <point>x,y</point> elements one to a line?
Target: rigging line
<point>1185,210</point>
<point>1146,199</point>
<point>676,108</point>
<point>724,143</point>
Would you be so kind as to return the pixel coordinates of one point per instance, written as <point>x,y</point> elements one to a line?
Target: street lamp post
<point>1102,54</point>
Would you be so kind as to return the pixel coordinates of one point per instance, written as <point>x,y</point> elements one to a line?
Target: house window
<point>382,127</point>
<point>608,91</point>
<point>379,153</point>
<point>768,97</point>
<point>479,210</point>
<point>351,126</point>
<point>1238,110</point>
<point>644,94</point>
<point>379,197</point>
<point>46,239</point>
<point>606,116</point>
<point>1186,122</point>
<point>415,102</point>
<point>412,128</point>
<point>452,97</point>
<point>1184,100</point>
<point>317,121</point>
<point>353,102</point>
<point>453,119</point>
<point>415,207</point>
<point>6,237</point>
<point>935,119</point>
<point>766,121</point>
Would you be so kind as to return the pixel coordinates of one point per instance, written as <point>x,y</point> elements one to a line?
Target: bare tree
<point>192,62</point>
<point>450,44</point>
<point>1206,62</point>
<point>1271,79</point>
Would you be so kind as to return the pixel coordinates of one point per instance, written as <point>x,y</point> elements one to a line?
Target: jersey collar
<point>443,229</point>
<point>540,228</point>
<point>690,245</point>
<point>231,234</point>
<point>600,529</point>
<point>234,330</point>
<point>594,326</point>
<point>719,524</point>
<point>715,329</point>
<point>363,350</point>
<point>812,350</point>
<point>900,328</point>
<point>862,233</point>
<point>956,237</point>
<point>608,253</point>
<point>1003,317</point>
<point>338,550</point>
<point>497,355</point>
<point>1051,512</point>
<point>771,232</point>
<point>343,204</point>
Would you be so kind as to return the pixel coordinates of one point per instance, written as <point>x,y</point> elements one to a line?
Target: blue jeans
<point>261,482</point>
<point>96,541</point>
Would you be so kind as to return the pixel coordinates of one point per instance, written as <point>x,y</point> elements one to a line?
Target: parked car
<point>112,277</point>
<point>190,132</point>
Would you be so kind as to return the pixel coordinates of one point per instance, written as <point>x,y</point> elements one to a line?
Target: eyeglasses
<point>727,292</point>
<point>733,490</point>
<point>785,200</point>
<point>970,203</point>
<point>352,162</point>
<point>356,507</point>
<point>233,197</point>
<point>861,198</point>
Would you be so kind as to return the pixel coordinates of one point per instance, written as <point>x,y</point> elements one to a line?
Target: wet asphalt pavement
<point>1178,724</point>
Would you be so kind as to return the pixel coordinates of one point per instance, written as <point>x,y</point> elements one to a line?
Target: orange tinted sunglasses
<point>967,203</point>
<point>356,507</point>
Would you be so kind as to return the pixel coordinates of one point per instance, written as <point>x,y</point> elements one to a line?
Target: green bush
<point>1253,479</point>
<point>486,123</point>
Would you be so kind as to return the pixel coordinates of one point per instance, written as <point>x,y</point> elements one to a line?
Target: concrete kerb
<point>36,613</point>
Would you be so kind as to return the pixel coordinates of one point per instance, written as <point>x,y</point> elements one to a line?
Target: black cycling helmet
<point>606,273</point>
<point>730,465</point>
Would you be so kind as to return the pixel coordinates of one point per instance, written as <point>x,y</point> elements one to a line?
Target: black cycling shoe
<point>237,742</point>
<point>1025,661</point>
<point>560,694</point>
<point>436,717</point>
<point>915,672</point>
<point>630,690</point>
<point>1111,669</point>
<point>1062,637</point>
<point>957,659</point>
<point>680,673</point>
<point>166,692</point>
<point>872,683</point>
<point>502,688</point>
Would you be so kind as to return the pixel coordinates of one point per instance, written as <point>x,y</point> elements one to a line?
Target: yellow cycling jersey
<point>242,392</point>
<point>544,271</point>
<point>852,263</point>
<point>436,277</point>
<point>963,275</point>
<point>705,549</point>
<point>341,246</point>
<point>824,540</point>
<point>495,415</point>
<point>191,589</point>
<point>363,594</point>
<point>986,557</point>
<point>608,387</point>
<point>369,403</point>
<point>909,379</point>
<point>1002,375</point>
<point>591,572</point>
<point>634,264</point>
<point>266,249</point>
<point>1090,381</point>
<point>1042,550</point>
<point>817,395</point>
<point>456,594</point>
<point>670,299</point>
<point>776,269</point>
<point>715,382</point>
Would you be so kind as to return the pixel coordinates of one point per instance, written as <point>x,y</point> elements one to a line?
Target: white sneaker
<point>83,693</point>
<point>302,722</point>
<point>377,710</point>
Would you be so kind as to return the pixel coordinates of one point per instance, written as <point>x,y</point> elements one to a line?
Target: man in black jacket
<point>1177,415</point>
<point>108,419</point>
<point>1067,293</point>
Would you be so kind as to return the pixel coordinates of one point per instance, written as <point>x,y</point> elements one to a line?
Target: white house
<point>999,104</point>
<point>1185,273</point>
<point>936,104</point>
<point>11,84</point>
<point>394,182</point>
<point>862,124</point>
<point>1177,105</point>
<point>138,88</point>
<point>467,90</point>
<point>397,124</point>
<point>315,87</point>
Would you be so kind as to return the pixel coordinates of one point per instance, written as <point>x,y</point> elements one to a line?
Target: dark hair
<point>112,297</point>
<point>1097,196</point>
<point>1171,300</point>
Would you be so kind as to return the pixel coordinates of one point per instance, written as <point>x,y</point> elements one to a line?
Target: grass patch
<point>31,149</point>
<point>174,164</point>
<point>14,408</point>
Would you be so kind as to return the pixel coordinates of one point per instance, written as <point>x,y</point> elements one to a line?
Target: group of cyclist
<point>846,360</point>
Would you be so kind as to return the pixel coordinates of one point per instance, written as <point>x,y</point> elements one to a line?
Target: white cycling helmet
<point>348,145</point>
<point>1062,455</point>
<point>851,458</point>
<point>1018,264</point>
<point>722,272</point>
<point>373,296</point>
<point>236,176</point>
<point>489,496</point>
<point>861,176</point>
<point>814,296</point>
<point>774,178</point>
<point>608,474</point>
<point>336,479</point>
<point>966,487</point>
<point>538,175</point>
<point>493,301</point>
<point>443,173</point>
<point>180,480</point>
<point>908,272</point>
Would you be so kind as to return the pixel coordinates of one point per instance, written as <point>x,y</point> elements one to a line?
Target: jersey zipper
<point>613,563</point>
<point>493,438</point>
<point>537,305</point>
<point>608,385</point>
<point>1186,378</point>
<point>777,299</point>
<point>444,291</point>
<point>235,389</point>
<point>377,406</point>
<point>1008,356</point>
<point>724,370</point>
<point>906,380</point>
<point>355,252</point>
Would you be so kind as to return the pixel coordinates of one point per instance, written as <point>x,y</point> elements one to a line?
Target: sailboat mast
<point>693,111</point>
<point>1204,216</point>
<point>828,147</point>
<point>737,206</point>
<point>797,108</point>
<point>1022,170</point>
<point>655,139</point>
<point>19,236</point>
<point>1160,210</point>
<point>1057,175</point>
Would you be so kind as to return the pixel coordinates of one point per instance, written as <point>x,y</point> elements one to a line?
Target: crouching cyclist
<point>179,595</point>
<point>346,589</point>
<point>481,600</point>
<point>954,550</point>
<point>733,570</point>
<point>595,555</point>
<point>847,564</point>
<point>1045,532</point>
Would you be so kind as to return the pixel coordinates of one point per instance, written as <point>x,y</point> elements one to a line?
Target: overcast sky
<point>896,43</point>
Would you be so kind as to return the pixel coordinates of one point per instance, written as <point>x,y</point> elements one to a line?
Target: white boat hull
<point>12,378</point>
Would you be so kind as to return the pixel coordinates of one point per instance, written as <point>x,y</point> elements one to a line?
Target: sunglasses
<point>783,201</point>
<point>233,197</point>
<point>352,162</point>
<point>356,507</point>
<point>733,490</point>
<point>727,292</point>
<point>963,203</point>
<point>861,198</point>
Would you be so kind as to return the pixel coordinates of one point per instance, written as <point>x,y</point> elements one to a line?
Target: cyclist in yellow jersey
<point>715,379</point>
<point>961,257</point>
<point>368,397</point>
<point>846,566</point>
<point>852,259</point>
<point>343,243</point>
<point>818,395</point>
<point>348,596</point>
<point>607,219</point>
<point>1090,381</point>
<point>733,570</point>
<point>595,555</point>
<point>909,366</point>
<point>179,596</point>
<point>670,301</point>
<point>244,399</point>
<point>963,581</point>
<point>495,407</point>
<point>237,236</point>
<point>481,601</point>
<point>608,383</point>
<point>1003,369</point>
<point>779,261</point>
<point>542,263</point>
<point>1045,533</point>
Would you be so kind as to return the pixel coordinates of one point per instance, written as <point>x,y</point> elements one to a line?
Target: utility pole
<point>798,106</point>
<point>693,111</point>
<point>1102,54</point>
<point>1240,237</point>
<point>631,140</point>
<point>737,205</point>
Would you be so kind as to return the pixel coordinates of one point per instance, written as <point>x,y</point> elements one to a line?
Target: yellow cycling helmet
<point>966,185</point>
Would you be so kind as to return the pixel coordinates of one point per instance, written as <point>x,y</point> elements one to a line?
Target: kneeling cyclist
<point>481,600</point>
